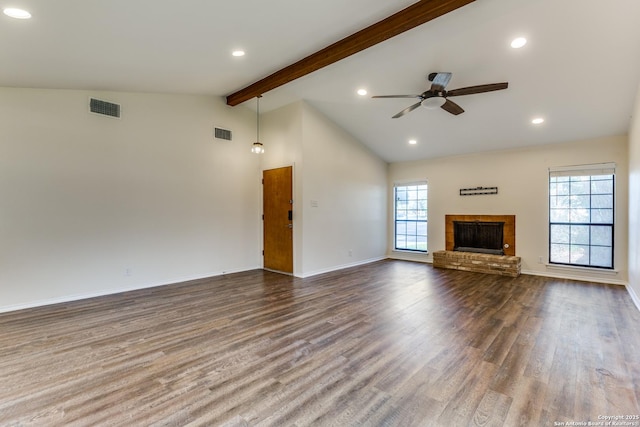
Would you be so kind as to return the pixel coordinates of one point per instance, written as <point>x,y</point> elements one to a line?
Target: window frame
<point>583,171</point>
<point>417,220</point>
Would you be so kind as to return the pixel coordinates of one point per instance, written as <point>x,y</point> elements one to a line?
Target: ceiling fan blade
<point>440,81</point>
<point>407,110</point>
<point>397,96</point>
<point>477,89</point>
<point>452,107</point>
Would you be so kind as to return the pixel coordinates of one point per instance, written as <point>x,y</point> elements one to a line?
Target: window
<point>581,215</point>
<point>410,209</point>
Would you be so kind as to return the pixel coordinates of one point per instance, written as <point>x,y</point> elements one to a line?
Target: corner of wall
<point>634,203</point>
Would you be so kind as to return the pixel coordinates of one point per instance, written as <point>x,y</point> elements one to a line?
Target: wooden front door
<point>277,202</point>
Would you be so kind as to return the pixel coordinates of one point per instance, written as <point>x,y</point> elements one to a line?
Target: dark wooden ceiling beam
<point>411,17</point>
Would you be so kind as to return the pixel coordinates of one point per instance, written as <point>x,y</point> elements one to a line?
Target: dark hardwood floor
<point>391,343</point>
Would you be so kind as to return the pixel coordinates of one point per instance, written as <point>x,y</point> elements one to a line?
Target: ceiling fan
<point>437,96</point>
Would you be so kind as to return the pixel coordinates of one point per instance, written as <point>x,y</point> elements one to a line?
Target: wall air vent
<point>105,108</point>
<point>222,134</point>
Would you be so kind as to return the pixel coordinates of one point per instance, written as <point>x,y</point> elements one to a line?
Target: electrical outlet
<point>350,252</point>
<point>540,260</point>
<point>128,272</point>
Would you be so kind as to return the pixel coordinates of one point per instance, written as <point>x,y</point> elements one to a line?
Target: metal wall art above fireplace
<point>476,191</point>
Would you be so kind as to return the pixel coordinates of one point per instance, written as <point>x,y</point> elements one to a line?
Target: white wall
<point>340,197</point>
<point>522,180</point>
<point>93,205</point>
<point>344,200</point>
<point>634,203</point>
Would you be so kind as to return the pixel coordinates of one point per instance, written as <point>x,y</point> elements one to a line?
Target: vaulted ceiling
<point>580,69</point>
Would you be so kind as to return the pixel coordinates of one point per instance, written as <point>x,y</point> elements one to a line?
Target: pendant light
<point>257,146</point>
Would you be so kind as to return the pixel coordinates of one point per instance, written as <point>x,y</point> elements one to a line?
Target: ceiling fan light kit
<point>433,103</point>
<point>437,96</point>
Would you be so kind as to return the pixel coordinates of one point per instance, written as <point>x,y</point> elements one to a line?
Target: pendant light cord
<point>258,118</point>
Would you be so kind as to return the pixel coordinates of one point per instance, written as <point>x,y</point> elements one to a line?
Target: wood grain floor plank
<point>492,410</point>
<point>528,404</point>
<point>462,406</point>
<point>390,343</point>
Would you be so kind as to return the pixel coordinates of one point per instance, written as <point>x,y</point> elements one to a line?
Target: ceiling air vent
<point>105,108</point>
<point>222,134</point>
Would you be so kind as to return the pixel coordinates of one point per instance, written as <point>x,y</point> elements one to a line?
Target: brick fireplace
<point>508,230</point>
<point>485,244</point>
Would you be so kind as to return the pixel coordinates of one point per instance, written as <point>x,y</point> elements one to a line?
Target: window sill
<point>409,251</point>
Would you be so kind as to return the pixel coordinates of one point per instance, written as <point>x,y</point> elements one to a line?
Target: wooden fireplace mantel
<point>509,229</point>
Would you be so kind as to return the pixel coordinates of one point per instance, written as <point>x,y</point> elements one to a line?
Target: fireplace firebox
<point>508,240</point>
<point>485,237</point>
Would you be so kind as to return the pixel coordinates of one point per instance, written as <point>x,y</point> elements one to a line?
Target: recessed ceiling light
<point>17,13</point>
<point>362,92</point>
<point>518,42</point>
<point>413,142</point>
<point>537,121</point>
<point>238,52</point>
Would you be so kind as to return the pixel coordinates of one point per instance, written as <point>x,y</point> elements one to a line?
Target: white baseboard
<point>634,296</point>
<point>559,275</point>
<point>101,293</point>
<point>340,267</point>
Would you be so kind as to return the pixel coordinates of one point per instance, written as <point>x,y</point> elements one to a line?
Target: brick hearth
<point>503,265</point>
